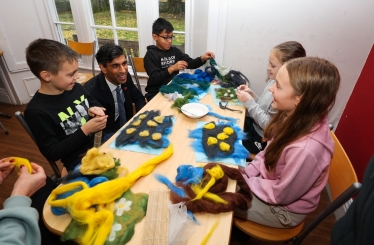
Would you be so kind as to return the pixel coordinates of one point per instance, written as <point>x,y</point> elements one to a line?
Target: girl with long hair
<point>289,175</point>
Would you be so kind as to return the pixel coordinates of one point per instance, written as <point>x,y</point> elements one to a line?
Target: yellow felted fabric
<point>159,119</point>
<point>209,126</point>
<point>82,204</point>
<point>136,123</point>
<point>130,130</point>
<point>151,123</point>
<point>222,136</point>
<point>228,130</point>
<point>212,141</point>
<point>224,146</point>
<point>144,133</point>
<point>96,162</point>
<point>156,136</point>
<point>215,173</point>
<point>142,116</point>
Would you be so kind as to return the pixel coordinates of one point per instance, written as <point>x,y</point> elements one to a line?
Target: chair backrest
<point>342,174</point>
<point>134,69</point>
<point>22,120</point>
<point>84,49</point>
<point>343,186</point>
<point>139,64</point>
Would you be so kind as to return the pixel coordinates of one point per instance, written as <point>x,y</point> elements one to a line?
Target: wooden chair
<point>84,49</point>
<point>343,185</point>
<point>137,66</point>
<point>22,120</point>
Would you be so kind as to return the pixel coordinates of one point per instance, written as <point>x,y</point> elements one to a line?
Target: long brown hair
<point>317,81</point>
<point>289,50</point>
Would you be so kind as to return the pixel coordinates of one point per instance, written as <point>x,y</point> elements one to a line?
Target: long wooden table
<point>183,154</point>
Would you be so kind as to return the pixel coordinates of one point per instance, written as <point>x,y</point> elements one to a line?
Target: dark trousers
<point>253,143</point>
<point>38,200</point>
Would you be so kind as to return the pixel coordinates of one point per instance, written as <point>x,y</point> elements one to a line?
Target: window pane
<point>125,13</point>
<point>69,32</point>
<point>173,11</point>
<point>64,11</point>
<point>128,40</point>
<point>104,36</point>
<point>101,12</point>
<point>178,41</point>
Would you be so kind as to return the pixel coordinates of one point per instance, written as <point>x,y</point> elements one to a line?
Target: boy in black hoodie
<point>163,61</point>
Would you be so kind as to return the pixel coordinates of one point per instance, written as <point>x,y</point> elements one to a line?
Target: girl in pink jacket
<point>286,179</point>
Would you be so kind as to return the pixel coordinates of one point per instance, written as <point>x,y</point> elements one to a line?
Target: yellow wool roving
<point>208,195</point>
<point>96,162</point>
<point>215,173</point>
<point>211,141</point>
<point>83,204</point>
<point>209,126</point>
<point>224,146</point>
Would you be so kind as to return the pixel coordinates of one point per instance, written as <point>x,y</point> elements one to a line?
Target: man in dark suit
<point>114,88</point>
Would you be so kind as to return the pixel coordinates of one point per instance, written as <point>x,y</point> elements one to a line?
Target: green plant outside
<point>124,19</point>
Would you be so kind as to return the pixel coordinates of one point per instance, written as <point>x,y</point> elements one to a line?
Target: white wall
<point>22,21</point>
<point>341,31</point>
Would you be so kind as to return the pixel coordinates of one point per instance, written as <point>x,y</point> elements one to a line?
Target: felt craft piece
<point>221,140</point>
<point>240,199</point>
<point>185,83</point>
<point>148,129</point>
<point>91,206</point>
<point>129,209</point>
<point>226,94</point>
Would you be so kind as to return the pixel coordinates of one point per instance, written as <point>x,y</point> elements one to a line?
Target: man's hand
<point>27,184</point>
<point>6,168</point>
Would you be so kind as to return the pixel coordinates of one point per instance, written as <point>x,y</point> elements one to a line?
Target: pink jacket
<point>300,175</point>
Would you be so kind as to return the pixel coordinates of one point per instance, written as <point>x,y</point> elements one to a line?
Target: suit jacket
<point>99,89</point>
<point>356,226</point>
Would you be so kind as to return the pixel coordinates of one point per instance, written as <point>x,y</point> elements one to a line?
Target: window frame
<point>147,11</point>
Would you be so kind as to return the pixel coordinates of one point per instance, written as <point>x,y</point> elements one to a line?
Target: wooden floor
<point>18,143</point>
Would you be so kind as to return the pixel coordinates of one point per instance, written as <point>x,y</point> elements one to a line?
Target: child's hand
<point>94,125</point>
<point>207,56</point>
<point>244,88</point>
<point>27,184</point>
<point>96,111</point>
<point>180,65</point>
<point>243,96</point>
<point>6,168</point>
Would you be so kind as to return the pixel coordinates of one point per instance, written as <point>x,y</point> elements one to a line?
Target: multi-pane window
<point>64,20</point>
<point>174,11</point>
<point>115,21</point>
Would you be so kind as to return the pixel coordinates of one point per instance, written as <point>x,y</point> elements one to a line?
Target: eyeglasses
<point>167,38</point>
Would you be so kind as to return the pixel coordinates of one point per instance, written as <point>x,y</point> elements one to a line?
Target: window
<point>124,22</point>
<point>174,11</point>
<point>64,20</point>
<point>116,21</point>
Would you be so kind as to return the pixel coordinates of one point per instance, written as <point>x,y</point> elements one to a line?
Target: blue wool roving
<point>172,187</point>
<point>189,174</point>
<point>98,180</point>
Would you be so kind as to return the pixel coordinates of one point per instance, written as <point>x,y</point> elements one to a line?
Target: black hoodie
<point>157,62</point>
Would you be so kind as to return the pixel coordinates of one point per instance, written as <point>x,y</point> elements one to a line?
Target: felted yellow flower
<point>222,136</point>
<point>130,130</point>
<point>156,136</point>
<point>212,141</point>
<point>144,133</point>
<point>209,126</point>
<point>224,146</point>
<point>228,130</point>
<point>151,123</point>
